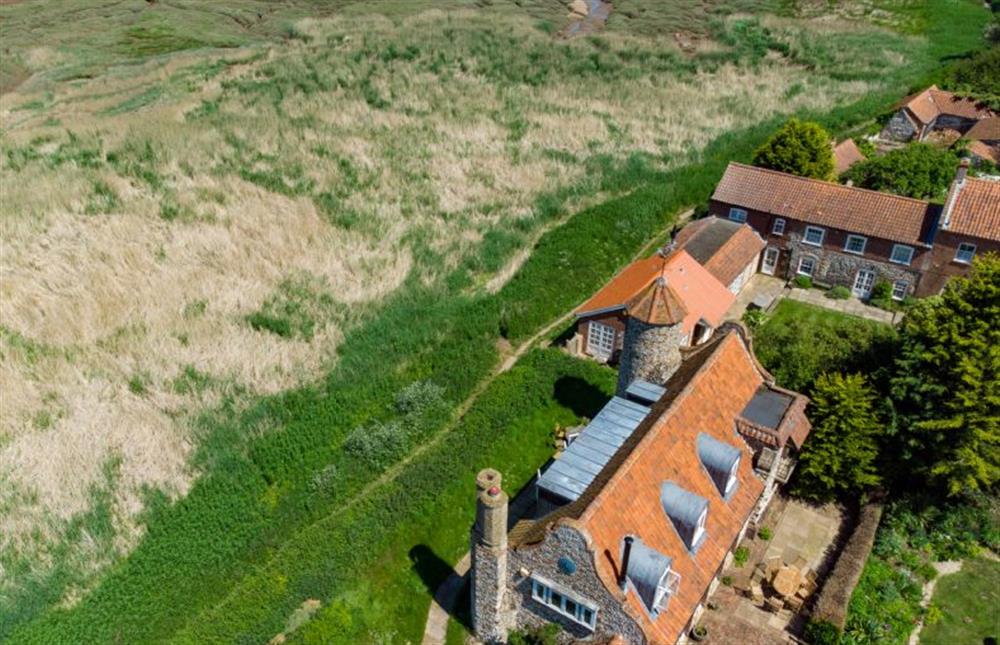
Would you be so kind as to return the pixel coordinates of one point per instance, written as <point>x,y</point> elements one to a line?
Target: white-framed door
<point>600,340</point>
<point>864,282</point>
<point>770,261</point>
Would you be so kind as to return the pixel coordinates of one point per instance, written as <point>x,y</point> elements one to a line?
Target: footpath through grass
<point>967,605</point>
<point>277,518</point>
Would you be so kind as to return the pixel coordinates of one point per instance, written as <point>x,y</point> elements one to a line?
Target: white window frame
<point>809,229</point>
<point>898,247</point>
<point>699,529</point>
<point>597,339</point>
<point>969,253</point>
<point>542,590</point>
<point>900,290</point>
<point>666,588</point>
<point>738,215</point>
<point>852,238</point>
<point>812,259</point>
<point>733,477</point>
<point>779,226</point>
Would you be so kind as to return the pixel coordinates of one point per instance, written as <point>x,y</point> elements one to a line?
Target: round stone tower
<point>654,335</point>
<point>489,559</point>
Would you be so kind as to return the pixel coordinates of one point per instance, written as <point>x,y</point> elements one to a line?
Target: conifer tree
<point>840,455</point>
<point>801,148</point>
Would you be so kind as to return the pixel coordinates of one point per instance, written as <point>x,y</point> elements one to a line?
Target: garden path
<point>943,569</point>
<point>851,306</point>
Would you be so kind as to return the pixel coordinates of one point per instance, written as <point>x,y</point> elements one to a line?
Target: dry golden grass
<point>103,313</point>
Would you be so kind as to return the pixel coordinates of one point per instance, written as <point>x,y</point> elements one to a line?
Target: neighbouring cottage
<point>933,110</point>
<point>638,516</point>
<point>730,251</point>
<point>854,237</point>
<point>984,140</point>
<point>699,303</point>
<point>846,154</point>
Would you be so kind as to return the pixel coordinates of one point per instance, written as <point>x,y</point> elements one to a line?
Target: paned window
<point>855,244</point>
<point>814,235</point>
<point>901,254</point>
<point>899,289</point>
<point>779,226</point>
<point>965,253</point>
<point>563,603</point>
<point>807,265</point>
<point>737,215</point>
<point>600,339</point>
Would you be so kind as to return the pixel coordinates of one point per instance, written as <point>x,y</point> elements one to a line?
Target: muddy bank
<point>586,16</point>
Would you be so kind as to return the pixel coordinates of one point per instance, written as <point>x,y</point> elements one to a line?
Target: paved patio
<point>798,529</point>
<point>765,286</point>
<point>851,306</point>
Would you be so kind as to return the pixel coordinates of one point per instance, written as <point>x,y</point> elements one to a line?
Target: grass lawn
<point>798,342</point>
<point>970,605</point>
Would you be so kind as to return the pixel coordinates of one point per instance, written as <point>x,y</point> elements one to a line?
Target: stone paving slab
<point>851,306</point>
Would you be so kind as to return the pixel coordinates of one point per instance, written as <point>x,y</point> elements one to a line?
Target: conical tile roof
<point>657,304</point>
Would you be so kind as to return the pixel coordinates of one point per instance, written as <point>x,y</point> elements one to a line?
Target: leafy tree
<point>947,383</point>
<point>977,76</point>
<point>801,148</point>
<point>844,444</point>
<point>918,170</point>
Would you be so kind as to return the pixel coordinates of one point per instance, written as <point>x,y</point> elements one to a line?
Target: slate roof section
<point>705,395</point>
<point>933,102</point>
<point>976,211</point>
<point>702,296</point>
<point>646,569</point>
<point>848,208</point>
<point>767,408</point>
<point>723,247</point>
<point>644,392</point>
<point>583,459</point>
<point>846,154</point>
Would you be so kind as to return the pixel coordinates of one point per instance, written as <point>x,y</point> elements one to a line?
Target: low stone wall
<point>831,605</point>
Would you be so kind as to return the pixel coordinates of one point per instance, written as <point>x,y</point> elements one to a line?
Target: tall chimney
<point>626,555</point>
<point>489,559</point>
<point>956,188</point>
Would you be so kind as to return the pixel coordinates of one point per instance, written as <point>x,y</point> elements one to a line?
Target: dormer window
<point>651,577</point>
<point>687,512</point>
<point>722,463</point>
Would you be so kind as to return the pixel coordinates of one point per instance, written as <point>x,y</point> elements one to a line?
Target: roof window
<point>651,577</point>
<point>722,461</point>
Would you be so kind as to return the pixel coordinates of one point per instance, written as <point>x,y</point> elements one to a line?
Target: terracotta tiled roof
<point>985,130</point>
<point>976,211</point>
<point>700,294</point>
<point>705,395</point>
<point>723,247</point>
<point>846,154</point>
<point>984,150</point>
<point>848,208</point>
<point>933,102</point>
<point>657,304</point>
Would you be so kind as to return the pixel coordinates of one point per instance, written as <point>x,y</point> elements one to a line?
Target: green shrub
<point>838,293</point>
<point>546,635</point>
<point>822,632</point>
<point>803,282</point>
<point>727,580</point>
<point>882,290</point>
<point>740,556</point>
<point>764,533</point>
<point>754,318</point>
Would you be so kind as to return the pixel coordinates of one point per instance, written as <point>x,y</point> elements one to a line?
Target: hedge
<point>831,605</point>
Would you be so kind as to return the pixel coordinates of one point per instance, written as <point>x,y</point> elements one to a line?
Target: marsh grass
<point>400,161</point>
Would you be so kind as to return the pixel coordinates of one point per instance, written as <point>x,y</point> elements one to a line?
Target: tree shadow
<point>580,396</point>
<point>433,572</point>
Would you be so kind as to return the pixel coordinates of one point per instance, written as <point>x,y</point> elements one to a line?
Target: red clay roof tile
<point>846,154</point>
<point>848,208</point>
<point>976,211</point>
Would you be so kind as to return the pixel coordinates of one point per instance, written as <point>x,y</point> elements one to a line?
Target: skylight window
<point>687,512</point>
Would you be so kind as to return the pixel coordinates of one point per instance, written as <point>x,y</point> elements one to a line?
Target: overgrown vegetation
<point>800,148</point>
<point>917,170</point>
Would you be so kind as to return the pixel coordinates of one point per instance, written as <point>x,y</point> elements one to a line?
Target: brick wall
<point>942,266</point>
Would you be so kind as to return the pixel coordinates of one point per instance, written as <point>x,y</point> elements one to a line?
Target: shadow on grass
<point>433,572</point>
<point>584,399</point>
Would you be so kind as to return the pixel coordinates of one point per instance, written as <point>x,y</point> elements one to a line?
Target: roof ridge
<point>831,183</point>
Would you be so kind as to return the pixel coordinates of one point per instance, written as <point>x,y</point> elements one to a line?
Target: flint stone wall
<point>649,352</point>
<point>543,560</point>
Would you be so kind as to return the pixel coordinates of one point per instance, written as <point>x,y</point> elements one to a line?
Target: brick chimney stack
<point>489,559</point>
